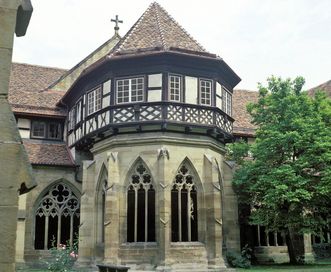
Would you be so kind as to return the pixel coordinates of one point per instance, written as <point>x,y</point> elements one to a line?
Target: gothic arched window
<point>101,206</point>
<point>140,206</point>
<point>56,217</point>
<point>184,215</point>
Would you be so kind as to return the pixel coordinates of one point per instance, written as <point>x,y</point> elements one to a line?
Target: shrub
<point>63,257</point>
<point>242,260</point>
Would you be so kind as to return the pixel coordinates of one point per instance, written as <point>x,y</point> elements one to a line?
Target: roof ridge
<point>181,27</point>
<point>77,65</point>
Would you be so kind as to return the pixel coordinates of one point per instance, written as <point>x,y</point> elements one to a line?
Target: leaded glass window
<point>56,217</point>
<point>184,215</point>
<point>140,206</point>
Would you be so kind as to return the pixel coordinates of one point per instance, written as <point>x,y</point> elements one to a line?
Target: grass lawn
<point>318,267</point>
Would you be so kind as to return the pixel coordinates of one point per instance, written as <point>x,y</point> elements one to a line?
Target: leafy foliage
<point>288,181</point>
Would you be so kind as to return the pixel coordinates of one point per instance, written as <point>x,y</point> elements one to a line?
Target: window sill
<point>140,245</point>
<point>187,244</point>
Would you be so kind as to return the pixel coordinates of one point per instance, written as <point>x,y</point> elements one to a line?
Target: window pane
<point>175,88</point>
<point>137,90</point>
<point>227,102</point>
<point>98,99</point>
<point>39,129</point>
<point>90,103</point>
<point>130,90</point>
<point>205,92</point>
<point>123,91</point>
<point>78,112</point>
<point>54,131</point>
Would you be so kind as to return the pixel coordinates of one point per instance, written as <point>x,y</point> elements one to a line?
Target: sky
<point>257,38</point>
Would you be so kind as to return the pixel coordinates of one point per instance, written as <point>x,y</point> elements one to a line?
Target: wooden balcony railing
<point>126,115</point>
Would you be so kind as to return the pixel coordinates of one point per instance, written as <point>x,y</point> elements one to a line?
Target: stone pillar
<point>230,209</point>
<point>86,230</point>
<point>163,222</point>
<point>16,172</point>
<point>112,218</point>
<point>213,193</point>
<point>309,255</point>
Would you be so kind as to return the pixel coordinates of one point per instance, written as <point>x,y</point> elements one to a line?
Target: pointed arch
<point>184,203</point>
<point>100,206</point>
<point>57,213</point>
<point>140,190</point>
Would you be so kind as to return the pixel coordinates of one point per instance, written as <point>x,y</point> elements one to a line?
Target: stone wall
<point>163,153</point>
<point>15,169</point>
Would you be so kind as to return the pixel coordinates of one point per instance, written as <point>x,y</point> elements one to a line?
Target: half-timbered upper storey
<point>156,78</point>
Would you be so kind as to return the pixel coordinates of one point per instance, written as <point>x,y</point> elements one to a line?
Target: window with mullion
<point>205,92</point>
<point>175,88</point>
<point>227,102</point>
<point>94,99</point>
<point>130,90</point>
<point>39,129</point>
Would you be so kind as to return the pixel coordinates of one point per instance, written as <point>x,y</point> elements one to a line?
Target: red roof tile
<point>157,29</point>
<point>27,93</point>
<point>325,87</point>
<point>48,153</point>
<point>242,124</point>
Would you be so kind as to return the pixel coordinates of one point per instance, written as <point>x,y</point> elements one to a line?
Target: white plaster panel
<point>218,102</point>
<point>73,152</point>
<point>106,87</point>
<point>100,121</point>
<point>154,95</point>
<point>191,92</point>
<point>23,123</point>
<point>219,95</point>
<point>25,134</point>
<point>106,102</point>
<point>218,89</point>
<point>155,80</point>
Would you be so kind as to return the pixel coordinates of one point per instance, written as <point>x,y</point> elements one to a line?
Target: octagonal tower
<point>149,122</point>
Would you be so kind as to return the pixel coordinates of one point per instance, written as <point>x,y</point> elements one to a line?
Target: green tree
<point>285,176</point>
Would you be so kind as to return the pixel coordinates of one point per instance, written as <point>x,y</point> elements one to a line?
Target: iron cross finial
<point>116,21</point>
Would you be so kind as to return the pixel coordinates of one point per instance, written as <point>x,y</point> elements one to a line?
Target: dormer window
<point>227,101</point>
<point>94,99</point>
<point>175,88</point>
<point>130,90</point>
<point>205,92</point>
<point>51,130</point>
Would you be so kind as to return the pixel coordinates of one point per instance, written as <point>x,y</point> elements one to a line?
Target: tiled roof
<point>242,124</point>
<point>48,153</point>
<point>157,29</point>
<point>326,87</point>
<point>28,93</point>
